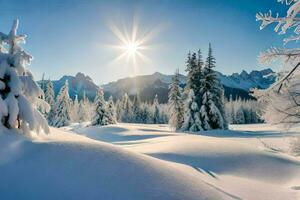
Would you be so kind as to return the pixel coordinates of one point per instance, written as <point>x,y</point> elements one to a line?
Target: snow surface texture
<point>243,163</point>
<point>148,162</point>
<point>66,166</point>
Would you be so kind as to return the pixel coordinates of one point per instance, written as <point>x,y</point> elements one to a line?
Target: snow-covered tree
<point>194,69</point>
<point>175,103</point>
<point>111,110</point>
<point>213,106</point>
<point>192,121</point>
<point>75,110</point>
<point>136,109</point>
<point>243,111</point>
<point>50,99</point>
<point>281,99</point>
<point>19,93</point>
<point>83,109</point>
<point>146,115</point>
<point>156,113</point>
<point>62,115</point>
<point>101,114</point>
<point>126,111</point>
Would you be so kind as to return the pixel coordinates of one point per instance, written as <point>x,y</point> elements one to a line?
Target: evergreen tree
<point>19,93</point>
<point>83,109</point>
<point>212,108</point>
<point>240,116</point>
<point>192,121</point>
<point>101,115</point>
<point>75,110</point>
<point>118,106</point>
<point>175,103</point>
<point>146,116</point>
<point>50,99</point>
<point>126,111</point>
<point>62,115</point>
<point>195,75</point>
<point>43,83</point>
<point>111,110</point>
<point>156,113</point>
<point>136,109</point>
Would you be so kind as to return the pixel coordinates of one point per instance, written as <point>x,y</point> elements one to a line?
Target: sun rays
<point>132,44</point>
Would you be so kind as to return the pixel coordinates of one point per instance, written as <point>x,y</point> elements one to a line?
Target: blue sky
<point>69,36</point>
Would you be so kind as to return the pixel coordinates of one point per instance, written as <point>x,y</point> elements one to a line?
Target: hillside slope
<point>66,166</point>
<point>237,162</point>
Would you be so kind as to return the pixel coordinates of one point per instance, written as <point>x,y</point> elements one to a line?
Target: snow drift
<point>65,166</point>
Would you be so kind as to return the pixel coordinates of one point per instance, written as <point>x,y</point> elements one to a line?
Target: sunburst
<point>132,45</point>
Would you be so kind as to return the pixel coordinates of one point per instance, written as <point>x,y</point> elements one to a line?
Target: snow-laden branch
<point>274,54</point>
<point>290,21</point>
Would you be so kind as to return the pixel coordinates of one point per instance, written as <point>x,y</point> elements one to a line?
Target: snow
<point>65,166</point>
<point>240,161</point>
<point>138,161</point>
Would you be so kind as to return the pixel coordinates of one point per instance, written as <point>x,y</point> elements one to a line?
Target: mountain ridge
<point>235,85</point>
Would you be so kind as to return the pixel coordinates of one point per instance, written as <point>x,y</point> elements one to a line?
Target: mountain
<point>78,84</point>
<point>255,79</point>
<point>236,85</point>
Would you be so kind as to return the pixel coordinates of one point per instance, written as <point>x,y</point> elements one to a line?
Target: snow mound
<point>234,161</point>
<point>67,166</point>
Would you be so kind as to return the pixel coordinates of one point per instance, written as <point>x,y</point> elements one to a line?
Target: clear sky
<point>68,36</point>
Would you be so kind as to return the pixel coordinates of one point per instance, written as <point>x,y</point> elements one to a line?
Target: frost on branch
<point>290,21</point>
<point>19,93</point>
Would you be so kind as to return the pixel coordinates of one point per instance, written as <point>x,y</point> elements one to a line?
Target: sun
<point>132,45</point>
<point>131,48</point>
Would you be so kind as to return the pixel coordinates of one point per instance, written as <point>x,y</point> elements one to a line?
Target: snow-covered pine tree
<point>136,109</point>
<point>111,110</point>
<point>240,116</point>
<point>83,109</point>
<point>126,111</point>
<point>19,93</point>
<point>192,121</point>
<point>156,113</point>
<point>43,83</point>
<point>195,75</point>
<point>194,78</point>
<point>175,103</point>
<point>118,107</point>
<point>75,109</point>
<point>101,115</point>
<point>146,116</point>
<point>50,99</point>
<point>62,110</point>
<point>213,107</point>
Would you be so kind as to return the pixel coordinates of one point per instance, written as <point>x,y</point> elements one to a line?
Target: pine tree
<point>43,83</point>
<point>111,110</point>
<point>136,109</point>
<point>175,103</point>
<point>212,108</point>
<point>75,110</point>
<point>192,121</point>
<point>156,113</point>
<point>240,116</point>
<point>146,116</point>
<point>62,115</point>
<point>118,106</point>
<point>19,93</point>
<point>126,111</point>
<point>101,115</point>
<point>194,80</point>
<point>83,109</point>
<point>50,99</point>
